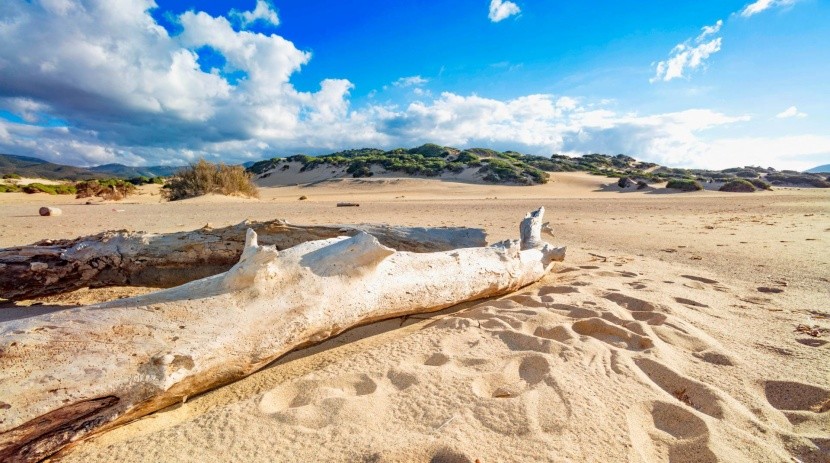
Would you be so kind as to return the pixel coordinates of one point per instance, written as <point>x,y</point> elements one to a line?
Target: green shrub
<point>112,189</point>
<point>204,177</point>
<point>467,158</point>
<point>142,180</point>
<point>10,188</point>
<point>60,189</point>
<point>788,177</point>
<point>684,184</point>
<point>430,150</point>
<point>738,186</point>
<point>11,177</point>
<point>760,184</point>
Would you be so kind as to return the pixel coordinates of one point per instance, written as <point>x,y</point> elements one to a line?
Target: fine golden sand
<point>668,334</point>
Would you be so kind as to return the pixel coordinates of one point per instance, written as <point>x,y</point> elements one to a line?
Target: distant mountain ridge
<point>38,168</point>
<point>825,169</point>
<point>120,170</point>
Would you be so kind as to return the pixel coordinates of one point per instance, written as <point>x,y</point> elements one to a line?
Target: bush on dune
<point>738,186</point>
<point>684,185</point>
<point>113,189</point>
<point>204,177</point>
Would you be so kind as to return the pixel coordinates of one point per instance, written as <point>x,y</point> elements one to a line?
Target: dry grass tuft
<point>112,190</point>
<point>204,177</point>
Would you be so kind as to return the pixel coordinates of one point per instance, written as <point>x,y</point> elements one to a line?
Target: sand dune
<point>668,334</point>
<point>599,362</point>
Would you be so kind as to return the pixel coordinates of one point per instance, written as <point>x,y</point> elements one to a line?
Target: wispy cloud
<point>763,5</point>
<point>689,55</point>
<point>502,9</point>
<point>792,111</point>
<point>411,81</point>
<point>263,12</point>
<point>706,31</point>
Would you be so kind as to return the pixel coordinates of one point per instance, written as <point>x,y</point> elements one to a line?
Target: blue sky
<point>698,84</point>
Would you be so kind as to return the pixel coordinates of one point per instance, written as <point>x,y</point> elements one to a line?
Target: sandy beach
<point>667,334</point>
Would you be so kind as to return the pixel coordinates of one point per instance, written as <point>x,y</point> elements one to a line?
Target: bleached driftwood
<point>72,373</point>
<point>165,260</point>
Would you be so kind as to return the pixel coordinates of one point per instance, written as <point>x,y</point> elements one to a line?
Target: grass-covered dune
<point>427,161</point>
<point>431,160</point>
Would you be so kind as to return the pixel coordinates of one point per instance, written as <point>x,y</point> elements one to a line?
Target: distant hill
<point>511,167</point>
<point>825,169</point>
<point>122,171</point>
<point>38,168</point>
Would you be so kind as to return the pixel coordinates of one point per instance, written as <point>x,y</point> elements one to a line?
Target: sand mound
<point>580,367</point>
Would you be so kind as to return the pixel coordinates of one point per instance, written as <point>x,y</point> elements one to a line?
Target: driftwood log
<point>121,258</point>
<point>70,374</point>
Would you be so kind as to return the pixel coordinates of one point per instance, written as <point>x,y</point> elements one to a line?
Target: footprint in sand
<point>546,290</point>
<point>437,359</point>
<point>521,397</point>
<point>795,396</point>
<point>630,303</point>
<point>807,408</point>
<point>701,279</point>
<point>688,391</point>
<point>690,302</point>
<point>672,332</point>
<point>317,404</point>
<point>612,334</point>
<point>764,289</point>
<point>715,283</point>
<point>665,431</point>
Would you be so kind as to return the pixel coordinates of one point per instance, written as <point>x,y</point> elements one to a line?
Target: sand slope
<point>667,335</point>
<point>622,359</point>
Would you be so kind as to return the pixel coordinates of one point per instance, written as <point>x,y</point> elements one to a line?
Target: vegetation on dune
<point>11,176</point>
<point>61,189</point>
<point>204,177</point>
<point>791,177</point>
<point>760,184</point>
<point>142,180</point>
<point>738,186</point>
<point>684,185</point>
<point>428,160</point>
<point>112,189</point>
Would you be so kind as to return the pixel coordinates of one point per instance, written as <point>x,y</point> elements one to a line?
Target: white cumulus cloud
<point>502,9</point>
<point>263,11</point>
<point>792,111</point>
